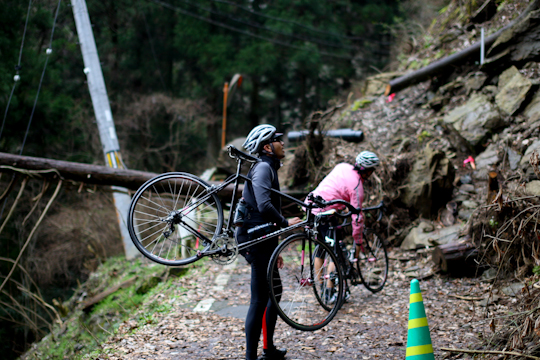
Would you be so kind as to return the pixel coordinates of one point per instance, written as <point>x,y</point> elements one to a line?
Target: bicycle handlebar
<point>320,202</point>
<point>376,207</point>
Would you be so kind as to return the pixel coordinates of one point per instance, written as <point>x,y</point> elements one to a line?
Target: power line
<point>307,27</point>
<point>48,52</point>
<point>278,42</point>
<point>153,51</point>
<point>318,41</point>
<point>16,78</point>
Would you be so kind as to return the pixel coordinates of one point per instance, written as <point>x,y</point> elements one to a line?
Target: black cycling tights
<point>262,313</point>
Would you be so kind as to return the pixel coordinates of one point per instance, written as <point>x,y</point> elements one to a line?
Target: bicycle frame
<point>336,247</point>
<point>227,230</point>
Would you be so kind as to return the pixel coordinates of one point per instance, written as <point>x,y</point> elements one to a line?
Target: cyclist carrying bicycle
<point>263,207</point>
<point>346,182</point>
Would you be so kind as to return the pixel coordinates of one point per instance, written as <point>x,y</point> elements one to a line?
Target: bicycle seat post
<point>235,190</point>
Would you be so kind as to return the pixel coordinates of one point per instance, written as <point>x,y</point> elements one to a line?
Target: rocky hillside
<point>458,145</point>
<point>459,149</point>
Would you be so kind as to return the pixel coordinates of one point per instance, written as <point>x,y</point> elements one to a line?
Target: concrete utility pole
<point>102,110</point>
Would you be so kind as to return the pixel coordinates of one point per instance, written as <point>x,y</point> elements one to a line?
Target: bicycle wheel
<point>372,264</point>
<point>174,216</point>
<point>292,283</point>
<point>324,286</point>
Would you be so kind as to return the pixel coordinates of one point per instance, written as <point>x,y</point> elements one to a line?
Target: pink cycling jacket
<point>344,183</point>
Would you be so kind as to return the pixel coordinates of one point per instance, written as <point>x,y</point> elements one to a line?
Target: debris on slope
<point>460,152</point>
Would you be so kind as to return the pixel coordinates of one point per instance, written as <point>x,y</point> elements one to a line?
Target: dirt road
<point>209,305</point>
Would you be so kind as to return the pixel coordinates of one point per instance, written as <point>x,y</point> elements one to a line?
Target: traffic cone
<point>418,339</point>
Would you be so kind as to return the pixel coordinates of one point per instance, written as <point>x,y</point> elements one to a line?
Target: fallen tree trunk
<point>456,258</point>
<point>89,304</point>
<point>460,57</point>
<point>94,174</point>
<point>78,172</point>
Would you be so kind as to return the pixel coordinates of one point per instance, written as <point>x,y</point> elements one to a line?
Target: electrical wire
<point>278,42</point>
<point>48,52</point>
<point>307,27</point>
<point>16,78</point>
<point>153,52</point>
<point>298,37</point>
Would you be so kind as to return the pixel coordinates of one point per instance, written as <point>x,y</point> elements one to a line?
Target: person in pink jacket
<point>346,182</point>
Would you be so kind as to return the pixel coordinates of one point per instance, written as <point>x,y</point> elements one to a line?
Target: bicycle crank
<point>224,250</point>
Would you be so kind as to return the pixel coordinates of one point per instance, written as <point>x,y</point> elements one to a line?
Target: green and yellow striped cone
<point>418,339</point>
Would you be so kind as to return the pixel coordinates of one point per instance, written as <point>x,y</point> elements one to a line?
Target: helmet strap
<point>269,153</point>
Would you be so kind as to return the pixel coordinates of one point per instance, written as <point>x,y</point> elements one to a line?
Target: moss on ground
<point>82,331</point>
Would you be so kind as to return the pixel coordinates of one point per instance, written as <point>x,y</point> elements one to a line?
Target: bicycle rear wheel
<point>372,264</point>
<point>292,286</point>
<point>174,216</point>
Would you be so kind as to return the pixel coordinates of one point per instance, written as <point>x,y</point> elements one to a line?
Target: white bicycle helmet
<point>367,160</point>
<point>258,136</point>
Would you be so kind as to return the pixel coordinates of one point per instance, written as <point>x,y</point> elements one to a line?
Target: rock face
<point>533,188</point>
<point>532,111</point>
<point>513,158</point>
<point>430,182</point>
<point>475,119</point>
<point>376,85</point>
<point>534,146</point>
<point>519,43</point>
<point>485,161</point>
<point>423,235</point>
<point>514,88</point>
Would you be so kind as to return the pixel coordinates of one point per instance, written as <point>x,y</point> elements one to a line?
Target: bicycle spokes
<point>372,264</point>
<point>298,284</point>
<point>173,217</point>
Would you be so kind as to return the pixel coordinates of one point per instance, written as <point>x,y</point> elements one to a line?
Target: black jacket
<point>264,206</point>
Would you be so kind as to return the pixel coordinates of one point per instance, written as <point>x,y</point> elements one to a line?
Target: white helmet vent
<point>257,137</point>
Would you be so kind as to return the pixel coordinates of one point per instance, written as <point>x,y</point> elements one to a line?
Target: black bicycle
<point>177,218</point>
<point>368,266</point>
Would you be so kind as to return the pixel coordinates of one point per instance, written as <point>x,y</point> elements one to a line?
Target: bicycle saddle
<point>237,154</point>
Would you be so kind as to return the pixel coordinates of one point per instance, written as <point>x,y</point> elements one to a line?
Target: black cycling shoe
<point>274,354</point>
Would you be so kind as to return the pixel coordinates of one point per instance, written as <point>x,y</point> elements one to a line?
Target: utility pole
<point>102,110</point>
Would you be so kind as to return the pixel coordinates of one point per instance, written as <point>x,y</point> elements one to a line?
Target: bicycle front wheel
<point>174,216</point>
<point>324,286</point>
<point>372,264</point>
<point>293,278</point>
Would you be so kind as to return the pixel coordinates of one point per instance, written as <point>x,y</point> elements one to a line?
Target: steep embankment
<point>460,164</point>
<point>460,149</point>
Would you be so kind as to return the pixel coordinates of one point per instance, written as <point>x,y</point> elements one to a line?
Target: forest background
<point>165,64</point>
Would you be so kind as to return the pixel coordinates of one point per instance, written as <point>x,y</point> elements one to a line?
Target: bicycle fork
<point>304,282</point>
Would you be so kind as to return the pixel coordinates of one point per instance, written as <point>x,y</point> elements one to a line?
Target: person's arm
<point>356,196</point>
<point>262,183</point>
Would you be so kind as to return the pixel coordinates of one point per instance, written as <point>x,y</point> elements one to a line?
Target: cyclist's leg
<point>262,313</point>
<point>258,303</point>
<point>319,261</point>
<point>317,266</point>
<point>270,316</point>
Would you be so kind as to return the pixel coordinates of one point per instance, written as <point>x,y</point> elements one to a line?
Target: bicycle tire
<point>173,217</point>
<point>290,285</point>
<point>372,264</point>
<point>322,289</point>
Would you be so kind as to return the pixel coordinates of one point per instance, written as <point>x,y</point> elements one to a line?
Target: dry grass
<point>80,233</point>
